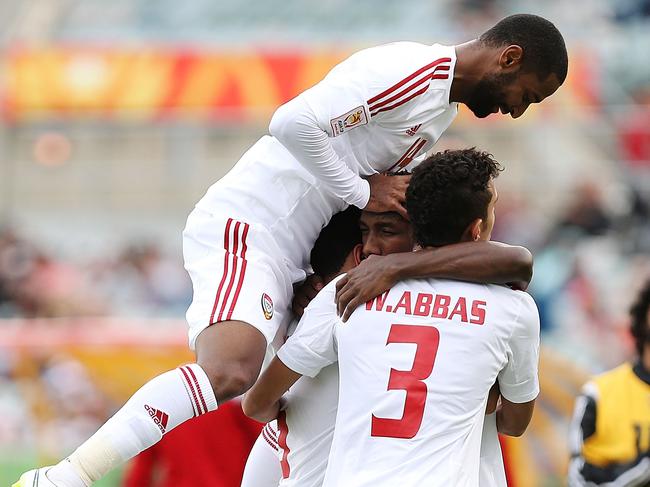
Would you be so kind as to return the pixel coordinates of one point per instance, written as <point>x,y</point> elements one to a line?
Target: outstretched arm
<point>488,262</point>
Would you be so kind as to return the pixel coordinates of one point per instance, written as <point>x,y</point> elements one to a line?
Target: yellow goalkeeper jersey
<point>610,431</point>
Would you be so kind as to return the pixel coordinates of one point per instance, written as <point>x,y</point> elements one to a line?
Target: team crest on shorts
<point>267,306</point>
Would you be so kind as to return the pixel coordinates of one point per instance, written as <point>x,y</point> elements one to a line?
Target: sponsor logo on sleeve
<point>354,118</point>
<point>267,306</point>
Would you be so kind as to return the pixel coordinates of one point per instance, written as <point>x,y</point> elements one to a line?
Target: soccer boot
<point>35,478</point>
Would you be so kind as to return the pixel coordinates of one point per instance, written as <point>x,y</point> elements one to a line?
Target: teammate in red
<point>248,239</point>
<point>209,451</point>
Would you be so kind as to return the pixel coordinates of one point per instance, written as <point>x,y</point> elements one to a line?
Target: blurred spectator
<point>140,282</point>
<point>585,213</point>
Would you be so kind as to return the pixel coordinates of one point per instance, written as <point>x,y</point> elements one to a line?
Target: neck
<point>471,61</point>
<point>645,358</point>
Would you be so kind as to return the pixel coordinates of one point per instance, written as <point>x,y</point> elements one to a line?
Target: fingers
<point>352,305</point>
<point>341,283</point>
<point>402,211</point>
<point>347,295</point>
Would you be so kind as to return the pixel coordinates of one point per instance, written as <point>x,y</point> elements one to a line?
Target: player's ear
<point>511,58</point>
<point>357,251</point>
<point>473,231</point>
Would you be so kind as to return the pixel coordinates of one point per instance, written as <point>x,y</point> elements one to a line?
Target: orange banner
<point>146,84</point>
<point>150,84</point>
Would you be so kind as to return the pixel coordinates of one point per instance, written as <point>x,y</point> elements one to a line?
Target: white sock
<point>65,475</point>
<point>156,408</point>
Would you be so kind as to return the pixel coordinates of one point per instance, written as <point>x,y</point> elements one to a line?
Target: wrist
<point>361,196</point>
<point>396,269</point>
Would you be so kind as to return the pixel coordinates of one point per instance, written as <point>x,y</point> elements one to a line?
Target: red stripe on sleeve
<point>408,98</point>
<point>407,79</point>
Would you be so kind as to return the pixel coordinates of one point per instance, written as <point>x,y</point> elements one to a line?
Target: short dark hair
<point>639,315</point>
<point>447,192</point>
<point>335,242</point>
<point>543,44</point>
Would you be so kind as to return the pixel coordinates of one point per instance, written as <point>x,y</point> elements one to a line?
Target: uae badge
<point>267,306</point>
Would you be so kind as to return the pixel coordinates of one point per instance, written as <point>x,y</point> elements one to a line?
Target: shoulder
<point>617,374</point>
<point>321,308</point>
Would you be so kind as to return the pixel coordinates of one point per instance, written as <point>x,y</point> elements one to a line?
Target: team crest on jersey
<point>354,118</point>
<point>267,306</point>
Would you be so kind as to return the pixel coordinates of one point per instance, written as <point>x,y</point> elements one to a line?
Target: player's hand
<point>388,193</point>
<point>372,277</point>
<point>305,292</point>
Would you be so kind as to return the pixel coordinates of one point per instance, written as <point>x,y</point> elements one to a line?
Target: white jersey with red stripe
<point>306,428</point>
<point>416,365</point>
<point>380,110</point>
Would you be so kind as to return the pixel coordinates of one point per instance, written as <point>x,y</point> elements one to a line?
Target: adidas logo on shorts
<point>159,417</point>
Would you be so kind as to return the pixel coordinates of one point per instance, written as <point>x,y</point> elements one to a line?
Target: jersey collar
<point>641,372</point>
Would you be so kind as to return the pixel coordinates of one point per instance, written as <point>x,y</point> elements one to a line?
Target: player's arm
<point>338,104</point>
<point>263,401</point>
<point>306,352</point>
<point>518,380</point>
<point>513,418</point>
<point>484,262</point>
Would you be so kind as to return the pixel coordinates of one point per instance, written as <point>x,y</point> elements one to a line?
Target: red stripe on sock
<point>189,383</point>
<point>198,387</point>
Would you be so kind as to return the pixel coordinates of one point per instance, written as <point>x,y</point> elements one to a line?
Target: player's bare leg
<point>229,358</point>
<point>231,354</point>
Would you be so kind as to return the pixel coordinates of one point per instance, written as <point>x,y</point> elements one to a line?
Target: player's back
<point>416,365</point>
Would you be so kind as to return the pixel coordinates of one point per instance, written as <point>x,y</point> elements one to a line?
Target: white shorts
<point>238,273</point>
<point>263,468</point>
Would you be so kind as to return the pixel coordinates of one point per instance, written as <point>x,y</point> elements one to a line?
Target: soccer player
<point>308,418</point>
<point>416,364</point>
<point>610,430</point>
<point>248,239</point>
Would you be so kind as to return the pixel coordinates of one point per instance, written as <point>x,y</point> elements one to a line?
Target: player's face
<point>510,93</point>
<point>488,223</point>
<point>385,233</point>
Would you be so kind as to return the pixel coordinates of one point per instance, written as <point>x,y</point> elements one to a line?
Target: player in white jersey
<point>248,240</point>
<point>308,420</point>
<point>416,363</point>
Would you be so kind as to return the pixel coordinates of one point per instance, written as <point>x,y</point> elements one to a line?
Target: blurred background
<point>116,117</point>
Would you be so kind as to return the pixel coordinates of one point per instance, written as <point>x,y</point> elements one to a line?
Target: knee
<point>229,380</point>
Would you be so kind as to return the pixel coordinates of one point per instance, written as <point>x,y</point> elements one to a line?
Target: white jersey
<point>492,472</point>
<point>416,365</point>
<point>307,427</point>
<point>377,111</point>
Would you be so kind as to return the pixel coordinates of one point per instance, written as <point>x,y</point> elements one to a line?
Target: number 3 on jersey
<point>426,339</point>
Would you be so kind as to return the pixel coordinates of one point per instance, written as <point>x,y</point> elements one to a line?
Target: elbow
<point>524,264</point>
<point>280,122</point>
<point>250,408</point>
